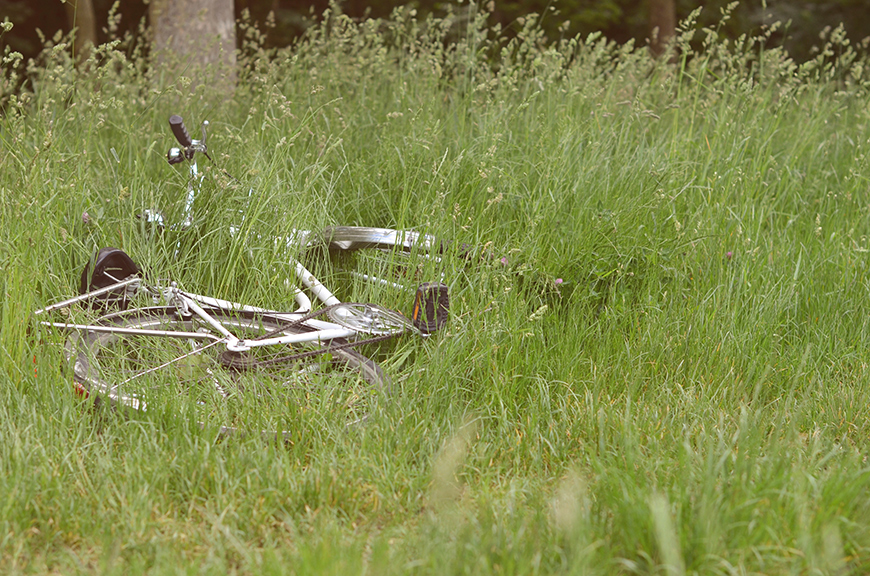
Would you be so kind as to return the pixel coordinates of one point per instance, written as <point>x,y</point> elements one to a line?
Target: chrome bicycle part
<point>153,357</point>
<point>370,319</point>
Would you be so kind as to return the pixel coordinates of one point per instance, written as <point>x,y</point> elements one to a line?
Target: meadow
<point>657,359</point>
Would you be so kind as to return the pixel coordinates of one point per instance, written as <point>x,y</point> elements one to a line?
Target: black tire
<point>256,390</point>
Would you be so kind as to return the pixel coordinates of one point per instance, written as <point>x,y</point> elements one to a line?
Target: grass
<point>657,357</point>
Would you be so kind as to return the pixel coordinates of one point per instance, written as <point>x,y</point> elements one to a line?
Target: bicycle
<point>228,363</point>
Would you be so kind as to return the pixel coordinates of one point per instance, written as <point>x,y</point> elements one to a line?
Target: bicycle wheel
<point>385,261</point>
<point>152,358</point>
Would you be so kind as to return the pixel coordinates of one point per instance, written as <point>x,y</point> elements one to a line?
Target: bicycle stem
<point>195,176</point>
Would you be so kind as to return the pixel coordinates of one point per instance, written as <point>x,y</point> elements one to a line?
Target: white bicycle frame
<point>350,324</point>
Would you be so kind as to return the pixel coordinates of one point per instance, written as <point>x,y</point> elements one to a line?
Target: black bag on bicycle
<point>111,265</point>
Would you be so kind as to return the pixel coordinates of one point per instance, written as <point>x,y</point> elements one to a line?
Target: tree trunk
<point>196,39</point>
<point>662,23</point>
<point>81,17</point>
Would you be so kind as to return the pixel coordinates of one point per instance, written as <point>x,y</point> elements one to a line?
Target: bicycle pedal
<point>431,307</point>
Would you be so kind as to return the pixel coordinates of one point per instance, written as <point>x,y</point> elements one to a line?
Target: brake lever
<point>189,145</point>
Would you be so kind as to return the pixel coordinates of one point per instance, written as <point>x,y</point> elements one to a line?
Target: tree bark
<point>81,17</point>
<point>196,39</point>
<point>663,25</point>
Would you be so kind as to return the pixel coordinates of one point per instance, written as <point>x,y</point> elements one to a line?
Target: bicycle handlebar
<point>180,131</point>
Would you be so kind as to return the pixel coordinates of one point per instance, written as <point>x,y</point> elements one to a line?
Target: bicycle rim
<point>381,261</point>
<point>197,376</point>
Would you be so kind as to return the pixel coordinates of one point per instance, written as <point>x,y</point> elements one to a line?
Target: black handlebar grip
<point>177,125</point>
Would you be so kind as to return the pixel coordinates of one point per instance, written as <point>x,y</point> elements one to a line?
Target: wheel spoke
<point>224,388</point>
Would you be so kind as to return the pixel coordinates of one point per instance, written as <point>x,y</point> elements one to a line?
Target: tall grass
<point>657,356</point>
